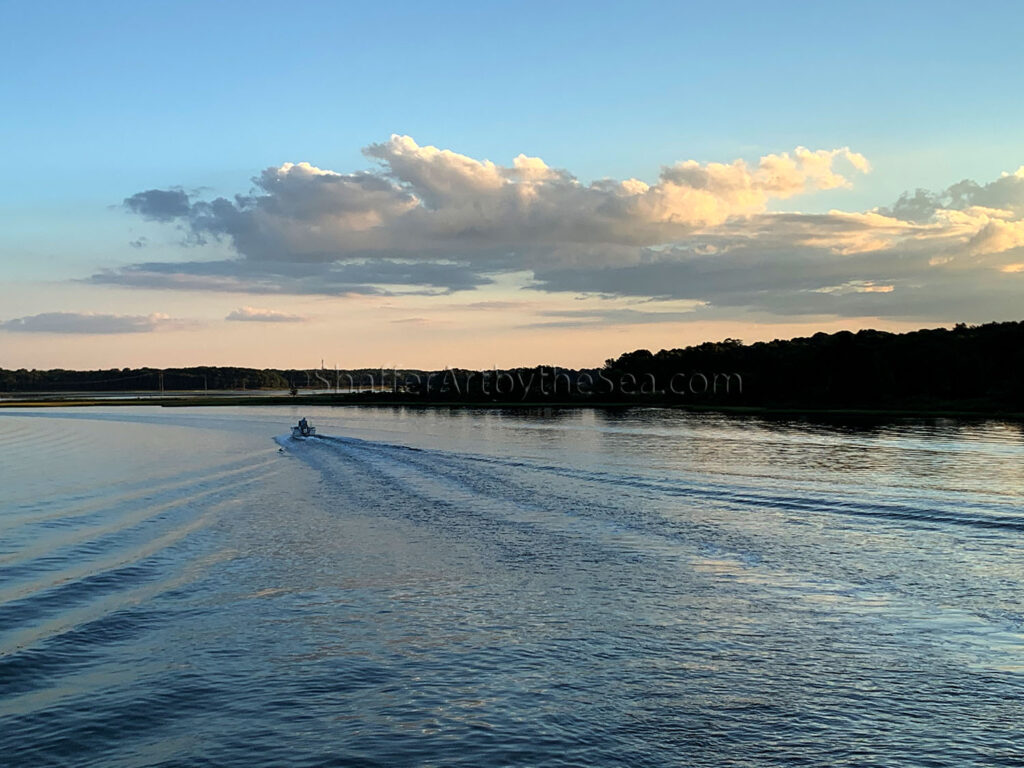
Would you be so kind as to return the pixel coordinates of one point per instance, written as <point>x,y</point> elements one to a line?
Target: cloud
<point>432,221</point>
<point>424,202</point>
<point>366,277</point>
<point>159,204</point>
<point>88,322</point>
<point>589,318</point>
<point>837,264</point>
<point>1005,193</point>
<point>807,282</point>
<point>493,305</point>
<point>253,314</point>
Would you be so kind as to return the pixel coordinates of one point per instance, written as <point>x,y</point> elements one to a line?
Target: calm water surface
<point>485,588</point>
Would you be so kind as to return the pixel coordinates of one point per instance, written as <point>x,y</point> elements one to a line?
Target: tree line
<point>978,368</point>
<point>967,367</point>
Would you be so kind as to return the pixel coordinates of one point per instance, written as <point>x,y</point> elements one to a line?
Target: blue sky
<point>106,99</point>
<point>113,96</point>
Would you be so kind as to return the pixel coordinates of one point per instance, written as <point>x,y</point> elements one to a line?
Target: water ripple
<point>637,588</point>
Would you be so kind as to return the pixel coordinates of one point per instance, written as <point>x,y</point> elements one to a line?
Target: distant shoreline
<point>336,401</point>
<point>963,372</point>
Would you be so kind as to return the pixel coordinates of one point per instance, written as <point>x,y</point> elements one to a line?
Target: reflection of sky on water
<point>479,587</point>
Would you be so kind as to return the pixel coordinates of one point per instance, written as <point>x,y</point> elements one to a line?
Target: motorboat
<point>303,429</point>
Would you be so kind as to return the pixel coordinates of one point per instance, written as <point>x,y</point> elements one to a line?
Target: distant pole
<point>206,388</point>
<point>161,383</point>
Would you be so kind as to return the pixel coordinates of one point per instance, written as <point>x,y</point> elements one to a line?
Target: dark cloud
<point>331,279</point>
<point>160,204</point>
<point>807,281</point>
<point>1005,193</point>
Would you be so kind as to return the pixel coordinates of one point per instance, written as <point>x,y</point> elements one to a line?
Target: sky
<point>478,184</point>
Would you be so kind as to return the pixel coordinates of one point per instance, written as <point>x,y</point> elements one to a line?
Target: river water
<point>186,587</point>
